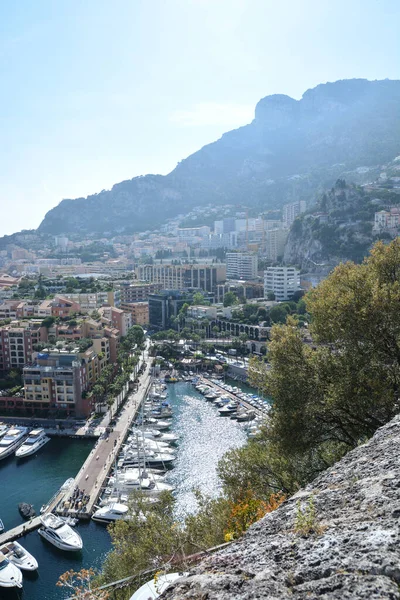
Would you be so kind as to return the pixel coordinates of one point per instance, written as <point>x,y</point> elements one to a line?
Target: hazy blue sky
<point>94,91</point>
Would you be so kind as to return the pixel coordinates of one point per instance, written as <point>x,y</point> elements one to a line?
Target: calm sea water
<point>35,480</point>
<point>204,438</point>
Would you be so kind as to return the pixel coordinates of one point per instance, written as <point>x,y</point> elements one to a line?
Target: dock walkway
<point>220,390</point>
<point>20,530</point>
<point>96,468</point>
<point>31,525</point>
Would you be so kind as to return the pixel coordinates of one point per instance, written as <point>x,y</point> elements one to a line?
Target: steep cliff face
<point>353,552</point>
<point>340,225</point>
<point>290,144</point>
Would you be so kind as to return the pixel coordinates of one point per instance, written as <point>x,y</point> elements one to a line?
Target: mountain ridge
<point>291,148</point>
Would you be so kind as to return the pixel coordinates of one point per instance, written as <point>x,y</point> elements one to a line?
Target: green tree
<point>278,314</point>
<point>329,397</point>
<point>198,299</point>
<point>230,299</point>
<point>48,322</point>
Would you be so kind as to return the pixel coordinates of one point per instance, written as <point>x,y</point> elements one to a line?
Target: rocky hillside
<point>291,148</point>
<point>340,225</point>
<point>348,550</point>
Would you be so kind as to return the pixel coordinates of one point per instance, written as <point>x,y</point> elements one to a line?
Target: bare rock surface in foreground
<point>356,555</point>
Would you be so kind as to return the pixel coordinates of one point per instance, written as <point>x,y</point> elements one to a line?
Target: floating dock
<point>223,392</point>
<point>32,524</point>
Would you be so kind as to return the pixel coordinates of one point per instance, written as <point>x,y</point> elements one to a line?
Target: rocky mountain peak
<point>276,111</point>
<point>333,128</point>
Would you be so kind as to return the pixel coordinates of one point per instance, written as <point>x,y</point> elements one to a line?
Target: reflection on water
<point>204,439</point>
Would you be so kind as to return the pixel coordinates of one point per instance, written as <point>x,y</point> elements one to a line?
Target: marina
<point>222,389</point>
<point>195,429</point>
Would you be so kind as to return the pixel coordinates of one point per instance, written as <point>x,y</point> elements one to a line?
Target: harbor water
<point>204,438</point>
<point>34,480</point>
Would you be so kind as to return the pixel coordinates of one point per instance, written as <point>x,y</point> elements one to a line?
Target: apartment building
<point>291,211</point>
<point>282,281</point>
<point>165,306</point>
<point>138,292</point>
<point>244,290</point>
<point>241,265</point>
<point>192,234</point>
<point>179,277</point>
<point>275,241</point>
<point>64,307</point>
<point>116,318</point>
<point>138,310</point>
<point>386,220</point>
<point>44,309</point>
<point>57,381</point>
<point>89,302</point>
<point>8,310</point>
<point>16,345</point>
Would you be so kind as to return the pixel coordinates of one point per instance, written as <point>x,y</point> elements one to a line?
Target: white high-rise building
<point>290,211</point>
<point>241,265</point>
<point>275,240</point>
<point>282,281</point>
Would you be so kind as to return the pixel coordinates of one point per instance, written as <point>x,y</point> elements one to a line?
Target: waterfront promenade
<point>95,469</point>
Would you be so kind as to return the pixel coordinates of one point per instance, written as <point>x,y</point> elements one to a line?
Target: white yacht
<point>57,532</point>
<point>36,439</point>
<point>3,429</point>
<point>20,557</point>
<point>130,473</point>
<point>149,445</point>
<point>227,410</point>
<point>155,434</point>
<point>111,512</point>
<point>12,439</point>
<point>151,423</point>
<point>130,482</point>
<point>148,458</point>
<point>10,575</point>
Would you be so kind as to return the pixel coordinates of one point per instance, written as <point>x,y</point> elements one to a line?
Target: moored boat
<point>11,440</point>
<point>56,531</point>
<point>26,510</point>
<point>36,440</point>
<point>110,513</point>
<point>10,575</point>
<point>19,556</point>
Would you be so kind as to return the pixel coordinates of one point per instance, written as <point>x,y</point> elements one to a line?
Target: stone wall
<point>353,554</point>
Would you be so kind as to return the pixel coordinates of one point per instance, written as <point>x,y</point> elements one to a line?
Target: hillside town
<point>199,292</point>
<point>66,305</point>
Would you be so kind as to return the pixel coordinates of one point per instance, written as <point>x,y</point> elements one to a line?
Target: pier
<point>95,470</point>
<point>220,390</point>
<point>32,524</point>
